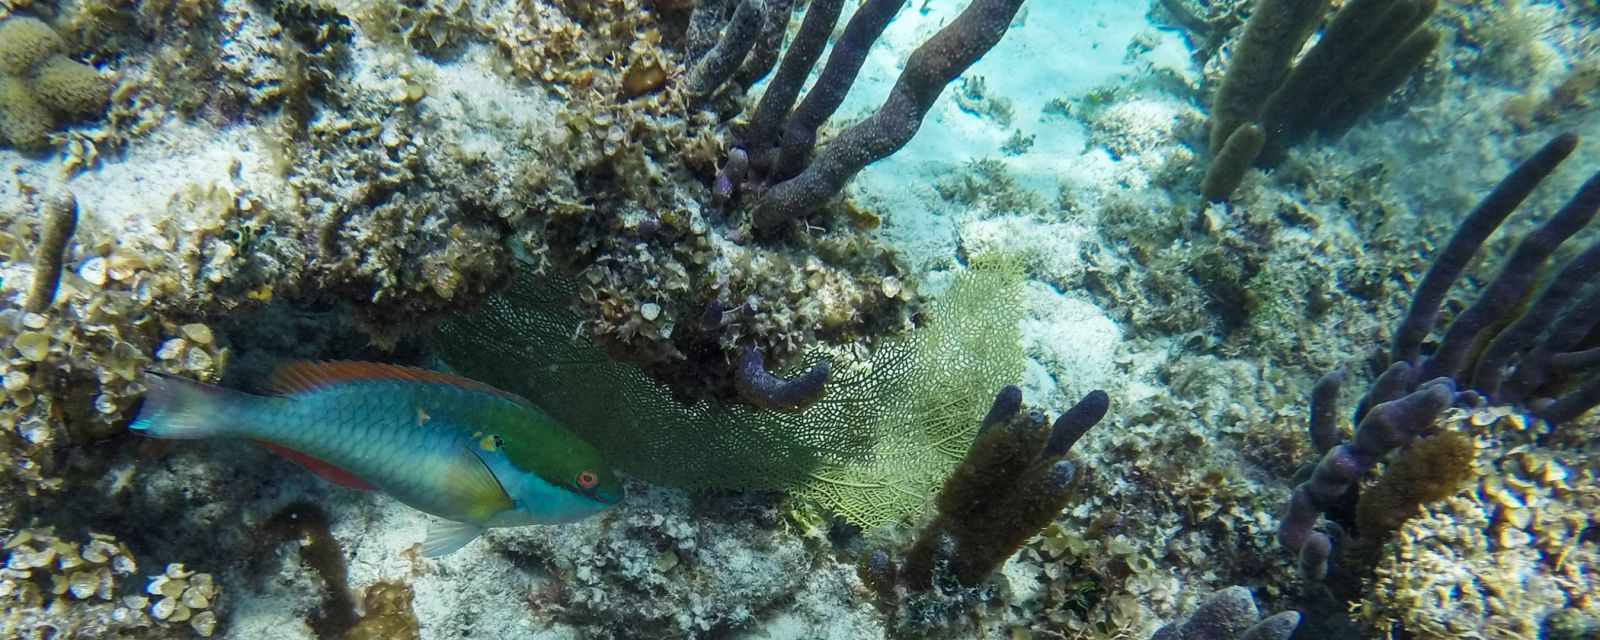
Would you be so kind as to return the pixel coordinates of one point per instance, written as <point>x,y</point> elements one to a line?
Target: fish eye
<point>588,479</point>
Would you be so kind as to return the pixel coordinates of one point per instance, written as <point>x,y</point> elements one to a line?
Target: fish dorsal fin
<point>327,471</point>
<point>445,536</point>
<point>299,376</point>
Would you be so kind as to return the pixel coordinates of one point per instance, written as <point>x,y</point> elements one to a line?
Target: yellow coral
<point>1497,561</point>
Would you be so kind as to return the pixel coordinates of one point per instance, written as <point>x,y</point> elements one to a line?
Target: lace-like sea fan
<point>872,449</point>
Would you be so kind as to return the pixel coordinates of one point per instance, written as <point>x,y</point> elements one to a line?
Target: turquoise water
<point>1021,336</point>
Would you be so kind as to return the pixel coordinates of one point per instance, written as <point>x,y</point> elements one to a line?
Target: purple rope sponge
<point>933,65</point>
<point>762,389</point>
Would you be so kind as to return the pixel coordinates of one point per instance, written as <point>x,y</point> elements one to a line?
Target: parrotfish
<point>473,455</point>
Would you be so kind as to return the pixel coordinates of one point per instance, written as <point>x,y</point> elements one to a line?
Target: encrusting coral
<point>70,368</point>
<point>55,588</point>
<point>1514,557</point>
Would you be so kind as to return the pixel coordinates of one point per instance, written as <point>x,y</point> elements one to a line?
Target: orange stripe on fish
<point>295,377</point>
<point>327,471</point>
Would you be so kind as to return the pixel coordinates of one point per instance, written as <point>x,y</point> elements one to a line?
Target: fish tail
<point>179,409</point>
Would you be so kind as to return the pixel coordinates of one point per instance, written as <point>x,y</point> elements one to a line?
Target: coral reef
<point>1013,482</point>
<point>612,195</point>
<point>888,427</point>
<point>1508,558</point>
<point>1473,354</point>
<point>55,588</point>
<point>70,370</point>
<point>1396,409</point>
<point>1230,614</point>
<point>39,86</point>
<point>313,179</point>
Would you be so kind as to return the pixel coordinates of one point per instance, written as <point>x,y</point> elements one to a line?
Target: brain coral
<point>70,87</point>
<point>39,86</point>
<point>24,122</point>
<point>24,43</point>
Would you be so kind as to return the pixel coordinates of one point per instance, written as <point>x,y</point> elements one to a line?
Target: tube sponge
<point>24,43</point>
<point>24,122</point>
<point>70,87</point>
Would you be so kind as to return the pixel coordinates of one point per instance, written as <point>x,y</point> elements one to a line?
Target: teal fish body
<point>460,450</point>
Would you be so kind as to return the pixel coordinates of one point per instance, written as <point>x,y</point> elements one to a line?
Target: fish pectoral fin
<point>445,536</point>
